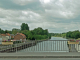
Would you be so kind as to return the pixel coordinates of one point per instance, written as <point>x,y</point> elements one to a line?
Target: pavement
<point>39,58</point>
<point>41,55</point>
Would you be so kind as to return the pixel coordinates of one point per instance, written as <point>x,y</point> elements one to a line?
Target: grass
<point>78,39</point>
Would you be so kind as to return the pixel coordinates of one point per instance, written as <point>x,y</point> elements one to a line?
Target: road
<point>40,59</point>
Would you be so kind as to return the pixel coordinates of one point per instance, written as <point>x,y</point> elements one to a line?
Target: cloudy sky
<point>55,15</point>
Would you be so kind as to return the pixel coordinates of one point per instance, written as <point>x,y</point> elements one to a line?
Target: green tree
<point>46,32</point>
<point>73,34</point>
<point>24,26</point>
<point>6,31</point>
<point>14,32</point>
<point>29,35</point>
<point>16,29</point>
<point>2,31</point>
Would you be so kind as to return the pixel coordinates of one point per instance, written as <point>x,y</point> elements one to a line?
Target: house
<point>3,37</point>
<point>8,35</point>
<point>12,36</point>
<point>20,36</point>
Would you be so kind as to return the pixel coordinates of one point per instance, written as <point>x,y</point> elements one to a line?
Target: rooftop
<point>22,35</point>
<point>7,34</point>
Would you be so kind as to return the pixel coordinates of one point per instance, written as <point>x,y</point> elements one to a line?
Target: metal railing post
<point>16,48</point>
<point>49,46</point>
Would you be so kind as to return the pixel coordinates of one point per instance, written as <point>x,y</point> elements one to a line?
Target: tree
<point>46,32</point>
<point>2,31</point>
<point>14,32</point>
<point>16,29</point>
<point>29,35</point>
<point>24,26</point>
<point>6,31</point>
<point>38,31</point>
<point>73,34</point>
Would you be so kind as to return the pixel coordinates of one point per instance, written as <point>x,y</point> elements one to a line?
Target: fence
<point>41,46</point>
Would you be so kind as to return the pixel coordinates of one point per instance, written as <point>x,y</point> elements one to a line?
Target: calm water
<point>49,46</point>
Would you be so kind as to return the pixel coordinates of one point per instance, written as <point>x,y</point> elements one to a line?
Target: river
<point>52,45</point>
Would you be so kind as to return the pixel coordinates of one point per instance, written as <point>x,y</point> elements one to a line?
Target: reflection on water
<point>49,46</point>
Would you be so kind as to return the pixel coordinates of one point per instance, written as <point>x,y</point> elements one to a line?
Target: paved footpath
<point>39,58</point>
<point>41,55</point>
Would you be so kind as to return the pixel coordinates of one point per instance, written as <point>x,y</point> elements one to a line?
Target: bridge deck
<point>41,55</point>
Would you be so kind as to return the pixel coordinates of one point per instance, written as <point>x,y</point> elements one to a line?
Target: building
<point>12,36</point>
<point>8,35</point>
<point>20,36</point>
<point>3,37</point>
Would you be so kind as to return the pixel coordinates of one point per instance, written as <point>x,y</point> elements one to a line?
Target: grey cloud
<point>66,9</point>
<point>56,16</point>
<point>34,5</point>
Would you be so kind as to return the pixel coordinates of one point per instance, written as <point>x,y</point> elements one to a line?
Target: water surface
<point>53,45</point>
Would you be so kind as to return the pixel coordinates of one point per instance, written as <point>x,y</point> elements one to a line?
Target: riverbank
<point>72,39</point>
<point>38,40</point>
<point>67,38</point>
<point>56,36</point>
<point>20,46</point>
<point>42,45</point>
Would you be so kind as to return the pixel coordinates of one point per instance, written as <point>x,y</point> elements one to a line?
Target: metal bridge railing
<point>41,46</point>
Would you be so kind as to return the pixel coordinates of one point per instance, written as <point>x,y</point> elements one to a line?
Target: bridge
<point>41,46</point>
<point>41,49</point>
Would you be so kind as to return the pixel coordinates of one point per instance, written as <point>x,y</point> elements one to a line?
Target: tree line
<point>69,35</point>
<point>58,34</point>
<point>73,34</point>
<point>36,34</point>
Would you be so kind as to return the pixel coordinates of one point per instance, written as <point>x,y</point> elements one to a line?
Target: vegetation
<point>14,30</point>
<point>58,34</point>
<point>36,34</point>
<point>69,35</point>
<point>40,34</point>
<point>73,34</point>
<point>24,27</point>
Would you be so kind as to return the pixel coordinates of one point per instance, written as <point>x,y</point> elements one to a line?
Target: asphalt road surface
<point>39,58</point>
